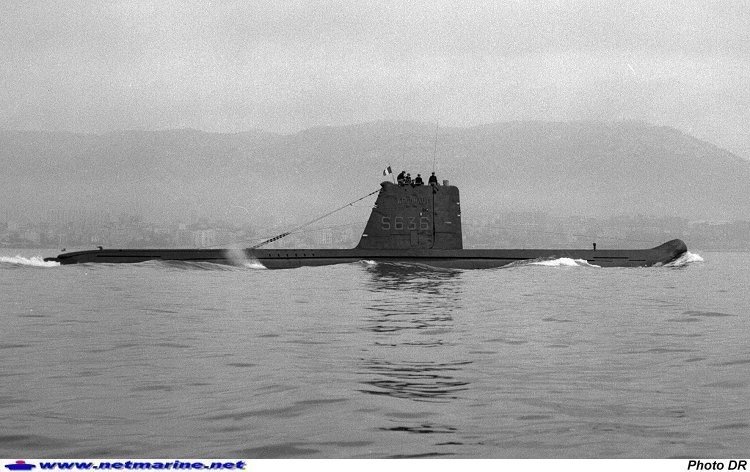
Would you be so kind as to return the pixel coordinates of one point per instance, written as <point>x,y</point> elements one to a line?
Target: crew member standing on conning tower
<point>418,181</point>
<point>401,177</point>
<point>432,180</point>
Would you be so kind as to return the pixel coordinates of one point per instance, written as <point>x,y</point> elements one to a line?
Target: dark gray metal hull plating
<point>418,225</point>
<point>444,258</point>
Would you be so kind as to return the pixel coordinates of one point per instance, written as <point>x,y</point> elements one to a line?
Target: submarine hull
<point>472,258</point>
<point>443,258</point>
<point>407,224</point>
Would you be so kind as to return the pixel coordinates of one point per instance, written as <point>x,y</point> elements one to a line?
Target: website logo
<point>20,465</point>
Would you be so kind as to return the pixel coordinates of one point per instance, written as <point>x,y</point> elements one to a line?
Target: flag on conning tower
<point>387,171</point>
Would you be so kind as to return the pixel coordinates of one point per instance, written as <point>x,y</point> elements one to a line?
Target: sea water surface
<point>371,360</point>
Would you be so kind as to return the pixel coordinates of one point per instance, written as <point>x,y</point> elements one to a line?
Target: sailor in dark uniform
<point>418,181</point>
<point>401,177</point>
<point>432,180</point>
<point>407,180</point>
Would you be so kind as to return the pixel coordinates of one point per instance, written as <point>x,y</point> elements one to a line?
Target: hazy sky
<point>284,66</point>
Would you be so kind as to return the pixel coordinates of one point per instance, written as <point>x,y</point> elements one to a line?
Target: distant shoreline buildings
<point>510,229</point>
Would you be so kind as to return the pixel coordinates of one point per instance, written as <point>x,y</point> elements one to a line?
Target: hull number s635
<point>400,223</point>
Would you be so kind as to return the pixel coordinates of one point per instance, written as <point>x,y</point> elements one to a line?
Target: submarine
<point>408,224</point>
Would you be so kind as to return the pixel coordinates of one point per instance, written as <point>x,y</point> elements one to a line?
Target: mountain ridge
<point>582,168</point>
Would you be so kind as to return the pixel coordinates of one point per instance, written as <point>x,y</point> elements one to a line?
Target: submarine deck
<point>444,258</point>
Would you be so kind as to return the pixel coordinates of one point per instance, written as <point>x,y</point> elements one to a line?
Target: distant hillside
<point>580,168</point>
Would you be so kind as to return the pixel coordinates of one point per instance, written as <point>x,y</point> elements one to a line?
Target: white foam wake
<point>564,262</point>
<point>240,259</point>
<point>685,259</point>
<point>253,264</point>
<point>35,261</point>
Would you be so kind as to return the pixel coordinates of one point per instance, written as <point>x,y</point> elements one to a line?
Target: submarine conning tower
<point>414,217</point>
